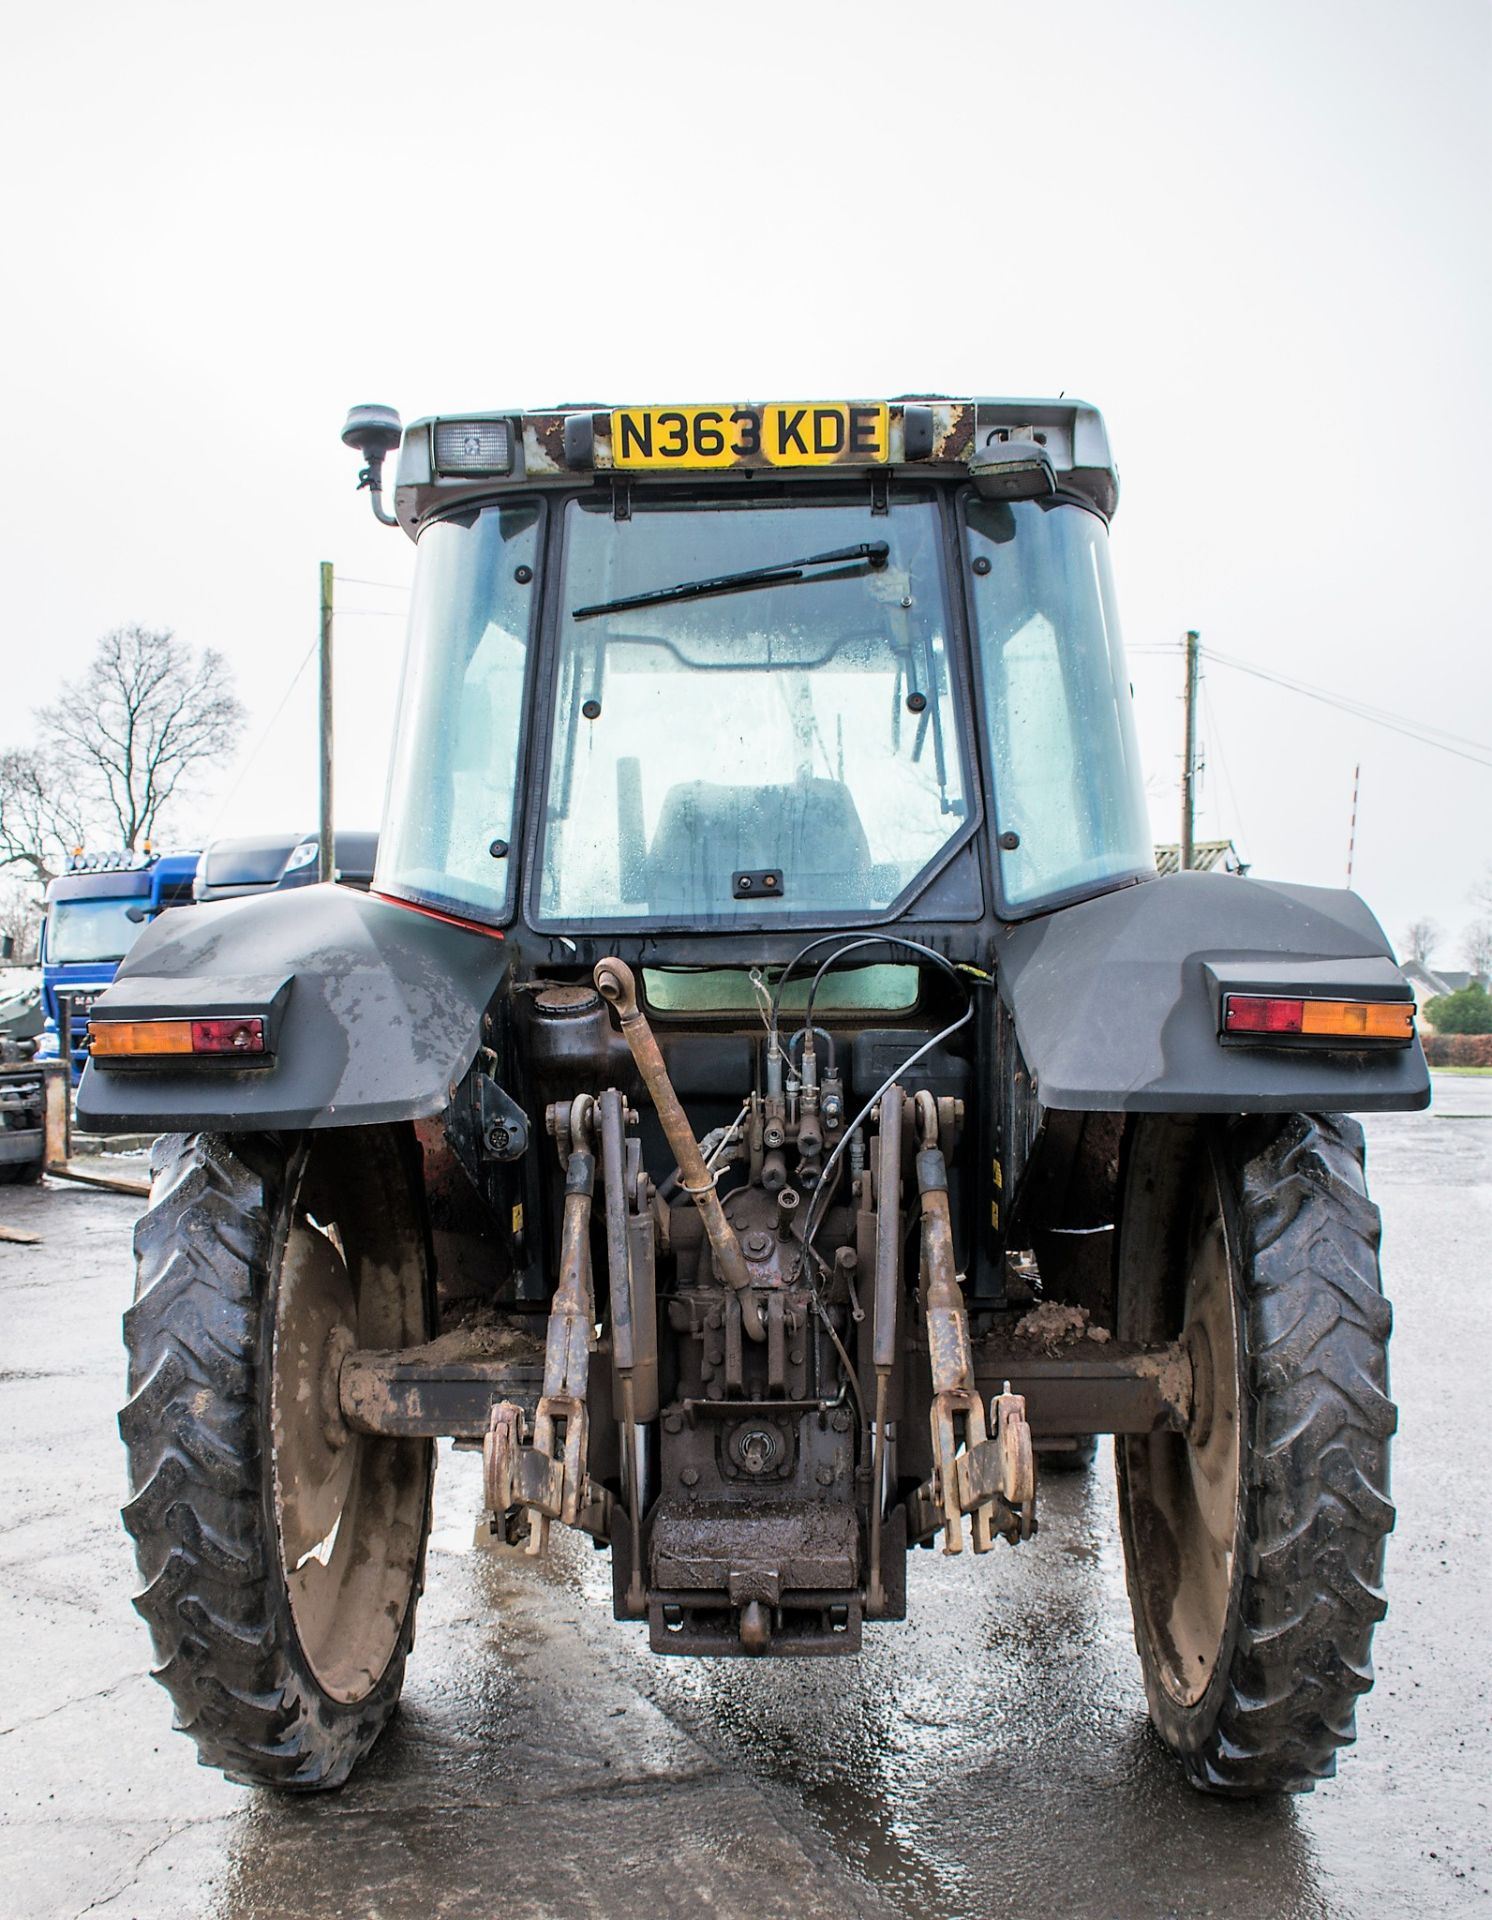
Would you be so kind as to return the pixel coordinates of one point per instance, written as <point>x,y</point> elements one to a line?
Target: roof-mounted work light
<point>476,447</point>
<point>374,431</point>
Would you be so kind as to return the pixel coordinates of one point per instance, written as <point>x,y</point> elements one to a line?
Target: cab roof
<point>120,875</point>
<point>447,459</point>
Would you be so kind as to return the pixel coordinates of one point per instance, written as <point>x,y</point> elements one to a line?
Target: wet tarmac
<point>990,1757</point>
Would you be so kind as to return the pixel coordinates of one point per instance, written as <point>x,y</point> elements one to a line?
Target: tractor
<point>768,1103</point>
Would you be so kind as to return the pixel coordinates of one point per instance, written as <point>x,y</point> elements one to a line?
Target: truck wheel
<point>282,1554</point>
<point>1253,1543</point>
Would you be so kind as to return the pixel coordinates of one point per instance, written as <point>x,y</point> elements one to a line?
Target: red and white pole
<point>1352,828</point>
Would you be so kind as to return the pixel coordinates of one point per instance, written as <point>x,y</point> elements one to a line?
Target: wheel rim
<point>1183,1490</point>
<point>349,1507</point>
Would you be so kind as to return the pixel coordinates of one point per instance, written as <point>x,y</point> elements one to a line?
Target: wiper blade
<point>875,551</point>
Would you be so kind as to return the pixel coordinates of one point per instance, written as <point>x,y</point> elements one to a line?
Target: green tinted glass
<point>879,989</point>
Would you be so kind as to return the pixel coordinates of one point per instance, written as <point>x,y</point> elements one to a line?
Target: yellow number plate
<point>780,434</point>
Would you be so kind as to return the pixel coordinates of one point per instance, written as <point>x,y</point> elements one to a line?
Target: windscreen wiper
<point>875,551</point>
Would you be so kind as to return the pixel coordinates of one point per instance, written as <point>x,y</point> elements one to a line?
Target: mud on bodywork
<point>1115,1011</point>
<point>382,1018</point>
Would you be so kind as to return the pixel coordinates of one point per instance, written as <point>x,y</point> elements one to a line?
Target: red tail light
<point>242,1035</point>
<point>1319,1019</point>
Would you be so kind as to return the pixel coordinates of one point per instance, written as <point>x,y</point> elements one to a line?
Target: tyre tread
<point>1316,1475</point>
<point>214,1596</point>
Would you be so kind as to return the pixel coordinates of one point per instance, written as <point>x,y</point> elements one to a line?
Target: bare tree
<point>1421,937</point>
<point>20,918</point>
<point>1476,944</point>
<point>146,718</point>
<point>41,817</point>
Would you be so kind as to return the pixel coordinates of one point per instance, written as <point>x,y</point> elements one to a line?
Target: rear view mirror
<point>1012,470</point>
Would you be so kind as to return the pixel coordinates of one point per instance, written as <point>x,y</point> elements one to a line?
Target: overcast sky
<point>1256,236</point>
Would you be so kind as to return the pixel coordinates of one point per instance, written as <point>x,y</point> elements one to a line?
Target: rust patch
<point>953,432</point>
<point>544,443</point>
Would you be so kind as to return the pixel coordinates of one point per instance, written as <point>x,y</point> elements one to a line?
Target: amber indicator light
<point>156,1039</point>
<point>1262,1015</point>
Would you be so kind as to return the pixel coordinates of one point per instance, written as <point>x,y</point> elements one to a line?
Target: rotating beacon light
<point>374,431</point>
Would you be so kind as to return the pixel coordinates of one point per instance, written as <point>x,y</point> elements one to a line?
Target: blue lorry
<point>95,913</point>
<point>97,909</point>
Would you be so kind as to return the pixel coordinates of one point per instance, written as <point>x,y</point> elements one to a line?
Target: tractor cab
<point>659,678</point>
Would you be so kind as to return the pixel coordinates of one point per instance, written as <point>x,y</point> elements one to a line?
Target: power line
<point>343,613</point>
<point>1478,752</point>
<point>245,764</point>
<point>1326,693</point>
<point>1222,759</point>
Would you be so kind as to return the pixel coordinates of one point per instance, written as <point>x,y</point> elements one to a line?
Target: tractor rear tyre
<point>282,1553</point>
<point>1254,1542</point>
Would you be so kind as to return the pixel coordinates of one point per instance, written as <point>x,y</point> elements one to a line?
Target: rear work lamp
<point>473,446</point>
<point>1266,1017</point>
<point>225,1039</point>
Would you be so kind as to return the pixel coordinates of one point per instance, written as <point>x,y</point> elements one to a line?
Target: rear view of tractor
<point>768,1103</point>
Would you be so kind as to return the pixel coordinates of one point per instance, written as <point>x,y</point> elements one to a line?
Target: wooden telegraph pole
<point>325,859</point>
<point>1189,758</point>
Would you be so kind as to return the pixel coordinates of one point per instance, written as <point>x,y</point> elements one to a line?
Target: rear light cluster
<point>231,1035</point>
<point>1262,1016</point>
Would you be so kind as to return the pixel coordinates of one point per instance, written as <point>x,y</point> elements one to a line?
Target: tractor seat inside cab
<point>810,832</point>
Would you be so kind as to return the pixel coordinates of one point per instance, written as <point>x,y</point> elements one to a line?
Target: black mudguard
<point>375,1013</point>
<point>1116,1001</point>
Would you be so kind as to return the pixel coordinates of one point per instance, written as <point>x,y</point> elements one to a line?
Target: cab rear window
<point>877,989</point>
<point>754,705</point>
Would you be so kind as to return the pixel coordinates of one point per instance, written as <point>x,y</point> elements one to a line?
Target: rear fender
<point>375,1013</point>
<point>1115,1001</point>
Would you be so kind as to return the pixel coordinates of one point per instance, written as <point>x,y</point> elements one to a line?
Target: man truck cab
<point>95,913</point>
